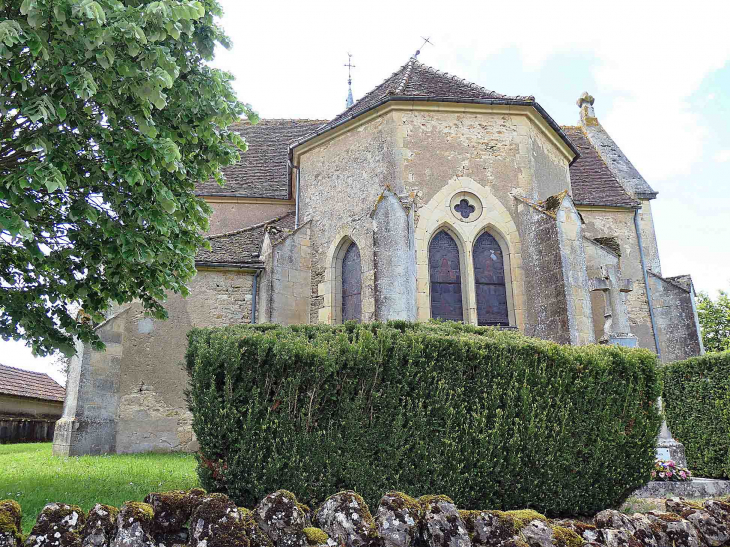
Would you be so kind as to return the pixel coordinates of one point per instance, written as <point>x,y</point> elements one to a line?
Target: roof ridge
<point>28,371</point>
<point>406,76</point>
<point>459,79</point>
<point>251,228</point>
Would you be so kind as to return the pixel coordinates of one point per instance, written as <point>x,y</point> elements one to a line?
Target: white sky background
<point>660,73</point>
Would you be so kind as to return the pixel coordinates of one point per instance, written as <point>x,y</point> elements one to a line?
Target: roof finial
<point>587,114</point>
<point>349,66</point>
<point>425,41</point>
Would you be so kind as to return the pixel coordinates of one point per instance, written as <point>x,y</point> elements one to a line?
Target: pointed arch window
<point>352,285</point>
<point>445,275</point>
<point>489,280</point>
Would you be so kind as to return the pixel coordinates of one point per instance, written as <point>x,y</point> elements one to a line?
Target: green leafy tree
<point>714,318</point>
<point>109,116</point>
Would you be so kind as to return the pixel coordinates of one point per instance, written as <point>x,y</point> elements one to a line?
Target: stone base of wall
<point>696,488</point>
<point>77,437</point>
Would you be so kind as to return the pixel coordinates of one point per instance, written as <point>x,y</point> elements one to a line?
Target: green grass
<point>32,477</point>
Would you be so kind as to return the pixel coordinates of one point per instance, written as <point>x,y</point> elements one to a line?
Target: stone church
<point>430,197</point>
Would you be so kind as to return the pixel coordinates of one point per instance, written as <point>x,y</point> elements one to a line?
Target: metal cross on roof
<point>425,41</point>
<point>349,102</point>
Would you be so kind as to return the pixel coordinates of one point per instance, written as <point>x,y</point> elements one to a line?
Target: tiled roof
<point>35,385</point>
<point>414,79</point>
<point>263,171</point>
<point>591,179</point>
<point>242,247</point>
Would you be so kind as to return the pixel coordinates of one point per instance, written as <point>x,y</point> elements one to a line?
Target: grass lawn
<point>32,477</point>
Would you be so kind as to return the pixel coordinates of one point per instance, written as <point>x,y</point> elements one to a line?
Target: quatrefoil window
<point>464,208</point>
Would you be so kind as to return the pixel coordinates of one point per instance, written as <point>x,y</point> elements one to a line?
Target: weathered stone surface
<point>611,518</point>
<point>586,531</point>
<point>282,518</point>
<point>537,534</point>
<point>58,525</point>
<point>10,517</point>
<point>397,519</point>
<point>134,526</point>
<point>255,534</point>
<point>347,520</point>
<point>488,528</point>
<point>100,527</point>
<point>713,531</point>
<point>642,530</point>
<point>615,538</point>
<point>718,509</point>
<point>673,531</point>
<point>442,525</point>
<point>217,522</point>
<point>316,537</point>
<point>173,509</point>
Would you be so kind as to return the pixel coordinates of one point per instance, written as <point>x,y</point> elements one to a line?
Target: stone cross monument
<point>616,329</point>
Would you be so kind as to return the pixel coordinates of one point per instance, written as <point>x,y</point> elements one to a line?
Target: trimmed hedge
<point>697,406</point>
<point>490,418</point>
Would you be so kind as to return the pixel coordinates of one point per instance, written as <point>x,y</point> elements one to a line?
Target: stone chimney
<point>587,114</point>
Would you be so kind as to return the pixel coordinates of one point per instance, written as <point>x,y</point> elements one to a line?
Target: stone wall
<point>130,397</point>
<point>676,318</point>
<point>286,282</point>
<point>25,406</point>
<point>619,224</point>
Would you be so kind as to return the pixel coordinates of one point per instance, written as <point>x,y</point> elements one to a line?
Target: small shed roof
<point>34,385</point>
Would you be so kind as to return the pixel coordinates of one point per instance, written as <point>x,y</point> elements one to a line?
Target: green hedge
<point>697,406</point>
<point>489,418</point>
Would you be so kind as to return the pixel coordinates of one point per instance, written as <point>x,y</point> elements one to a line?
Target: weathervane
<point>349,66</point>
<point>425,41</point>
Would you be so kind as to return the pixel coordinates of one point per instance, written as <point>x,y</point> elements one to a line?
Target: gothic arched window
<point>351,285</point>
<point>445,272</point>
<point>489,281</point>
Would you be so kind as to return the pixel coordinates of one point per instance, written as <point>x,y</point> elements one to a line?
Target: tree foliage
<point>714,316</point>
<point>109,116</point>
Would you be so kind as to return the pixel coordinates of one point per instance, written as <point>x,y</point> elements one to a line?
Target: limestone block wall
<point>130,397</point>
<point>395,264</point>
<point>341,181</point>
<point>286,284</point>
<point>619,224</point>
<point>676,318</point>
<point>546,311</point>
<point>575,274</point>
<point>597,256</point>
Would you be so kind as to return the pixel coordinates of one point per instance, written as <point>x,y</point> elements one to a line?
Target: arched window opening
<point>445,272</point>
<point>351,285</point>
<point>491,292</point>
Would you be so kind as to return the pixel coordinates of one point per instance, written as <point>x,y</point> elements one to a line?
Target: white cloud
<point>722,156</point>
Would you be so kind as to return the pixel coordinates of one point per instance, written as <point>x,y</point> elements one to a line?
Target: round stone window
<point>466,206</point>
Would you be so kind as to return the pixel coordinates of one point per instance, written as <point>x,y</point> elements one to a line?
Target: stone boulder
<point>672,530</point>
<point>10,517</point>
<point>58,525</point>
<point>217,522</point>
<point>588,532</point>
<point>488,528</point>
<point>173,509</point>
<point>255,534</point>
<point>611,518</point>
<point>347,520</point>
<point>642,530</point>
<point>398,520</point>
<point>283,519</point>
<point>718,509</point>
<point>100,527</point>
<point>442,524</point>
<point>713,531</point>
<point>134,526</point>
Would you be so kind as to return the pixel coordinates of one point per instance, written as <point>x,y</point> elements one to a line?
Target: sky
<point>659,72</point>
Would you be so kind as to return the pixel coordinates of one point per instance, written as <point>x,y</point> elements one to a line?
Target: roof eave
<point>250,266</point>
<point>435,99</point>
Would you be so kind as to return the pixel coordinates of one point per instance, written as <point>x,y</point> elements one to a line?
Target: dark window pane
<point>491,292</point>
<point>445,272</point>
<point>351,285</point>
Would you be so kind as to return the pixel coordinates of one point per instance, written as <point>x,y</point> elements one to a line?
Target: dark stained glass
<point>464,208</point>
<point>491,292</point>
<point>445,272</point>
<point>351,285</point>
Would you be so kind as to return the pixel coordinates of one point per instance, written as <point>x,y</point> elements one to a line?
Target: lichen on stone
<point>565,537</point>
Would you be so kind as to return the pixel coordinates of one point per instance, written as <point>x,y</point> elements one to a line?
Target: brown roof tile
<point>242,247</point>
<point>35,385</point>
<point>263,171</point>
<point>591,179</point>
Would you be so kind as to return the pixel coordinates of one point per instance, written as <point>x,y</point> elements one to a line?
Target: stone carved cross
<point>614,290</point>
